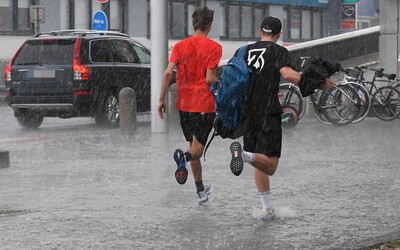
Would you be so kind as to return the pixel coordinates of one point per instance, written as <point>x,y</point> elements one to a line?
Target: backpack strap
<point>209,142</point>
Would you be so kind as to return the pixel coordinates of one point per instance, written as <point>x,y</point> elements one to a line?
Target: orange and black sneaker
<point>181,173</point>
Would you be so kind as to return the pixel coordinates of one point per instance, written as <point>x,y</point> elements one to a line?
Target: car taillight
<point>7,73</point>
<point>81,92</point>
<point>80,72</point>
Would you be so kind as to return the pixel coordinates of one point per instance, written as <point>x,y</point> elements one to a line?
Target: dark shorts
<point>264,135</point>
<point>196,124</point>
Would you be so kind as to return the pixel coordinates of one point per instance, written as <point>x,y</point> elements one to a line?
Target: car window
<point>124,52</point>
<point>142,52</point>
<point>47,51</point>
<point>101,51</point>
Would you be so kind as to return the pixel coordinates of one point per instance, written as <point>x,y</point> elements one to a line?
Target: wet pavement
<point>73,185</point>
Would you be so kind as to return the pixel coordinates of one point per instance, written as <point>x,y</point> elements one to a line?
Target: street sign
<point>350,1</point>
<point>36,13</point>
<point>349,25</point>
<point>102,1</point>
<point>100,21</point>
<point>349,16</point>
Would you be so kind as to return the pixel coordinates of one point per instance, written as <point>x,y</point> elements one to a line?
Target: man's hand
<point>161,109</point>
<point>327,84</point>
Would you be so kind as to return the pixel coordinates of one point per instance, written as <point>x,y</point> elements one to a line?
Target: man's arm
<point>290,75</point>
<point>293,76</point>
<point>211,76</point>
<point>166,81</point>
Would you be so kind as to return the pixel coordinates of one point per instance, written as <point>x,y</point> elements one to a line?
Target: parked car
<point>76,73</point>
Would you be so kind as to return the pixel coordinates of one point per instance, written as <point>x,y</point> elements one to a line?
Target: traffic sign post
<point>100,21</point>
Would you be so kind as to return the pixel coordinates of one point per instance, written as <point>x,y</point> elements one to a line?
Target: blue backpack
<point>230,95</point>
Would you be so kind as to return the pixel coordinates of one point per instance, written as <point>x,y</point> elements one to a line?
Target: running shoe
<point>237,160</point>
<point>203,195</point>
<point>181,173</point>
<point>267,214</point>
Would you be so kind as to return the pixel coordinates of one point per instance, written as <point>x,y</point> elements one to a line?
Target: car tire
<point>29,119</point>
<point>107,114</point>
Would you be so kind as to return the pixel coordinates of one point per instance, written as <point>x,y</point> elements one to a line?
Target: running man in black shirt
<point>263,136</point>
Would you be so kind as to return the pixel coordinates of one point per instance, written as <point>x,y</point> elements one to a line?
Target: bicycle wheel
<point>398,88</point>
<point>386,103</point>
<point>317,106</point>
<point>289,95</point>
<point>365,100</point>
<point>290,117</point>
<point>341,106</point>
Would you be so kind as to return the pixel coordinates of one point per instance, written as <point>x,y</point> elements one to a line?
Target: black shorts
<point>196,124</point>
<point>264,135</point>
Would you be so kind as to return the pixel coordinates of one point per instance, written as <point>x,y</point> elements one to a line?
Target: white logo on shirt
<point>256,59</point>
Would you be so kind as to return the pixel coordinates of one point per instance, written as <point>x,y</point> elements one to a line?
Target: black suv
<point>76,73</point>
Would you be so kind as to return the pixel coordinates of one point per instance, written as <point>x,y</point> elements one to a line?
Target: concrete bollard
<point>4,159</point>
<point>127,109</point>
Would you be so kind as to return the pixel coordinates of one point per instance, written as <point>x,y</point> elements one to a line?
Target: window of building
<point>317,25</point>
<point>303,24</point>
<point>15,16</point>
<point>363,24</point>
<point>295,24</point>
<point>6,15</point>
<point>242,20</point>
<point>179,18</point>
<point>306,24</point>
<point>23,15</point>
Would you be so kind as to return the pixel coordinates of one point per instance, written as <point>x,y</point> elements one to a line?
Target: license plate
<point>44,73</point>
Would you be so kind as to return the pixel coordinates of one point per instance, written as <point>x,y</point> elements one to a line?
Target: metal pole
<point>159,59</point>
<point>389,35</point>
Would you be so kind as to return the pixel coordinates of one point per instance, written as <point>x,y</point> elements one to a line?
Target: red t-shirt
<point>193,56</point>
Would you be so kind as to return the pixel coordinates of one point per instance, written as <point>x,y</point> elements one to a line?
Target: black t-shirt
<point>266,59</point>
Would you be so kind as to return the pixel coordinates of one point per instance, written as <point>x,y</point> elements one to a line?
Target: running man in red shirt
<point>196,59</point>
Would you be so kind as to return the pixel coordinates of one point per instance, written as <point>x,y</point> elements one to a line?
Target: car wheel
<point>108,111</point>
<point>29,119</point>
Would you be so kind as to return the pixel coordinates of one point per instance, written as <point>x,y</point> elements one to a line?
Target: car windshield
<point>48,51</point>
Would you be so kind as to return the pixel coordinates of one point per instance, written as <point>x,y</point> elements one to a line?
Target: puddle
<point>12,212</point>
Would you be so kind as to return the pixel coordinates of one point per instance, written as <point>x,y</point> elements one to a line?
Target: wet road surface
<point>73,185</point>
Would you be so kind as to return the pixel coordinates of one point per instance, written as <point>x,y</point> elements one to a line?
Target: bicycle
<point>385,100</point>
<point>337,106</point>
<point>365,97</point>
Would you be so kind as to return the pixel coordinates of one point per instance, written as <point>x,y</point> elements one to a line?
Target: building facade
<point>235,21</point>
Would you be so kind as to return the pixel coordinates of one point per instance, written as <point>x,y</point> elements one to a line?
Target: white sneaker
<point>267,214</point>
<point>203,195</point>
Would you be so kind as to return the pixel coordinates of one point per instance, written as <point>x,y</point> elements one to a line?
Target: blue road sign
<point>100,21</point>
